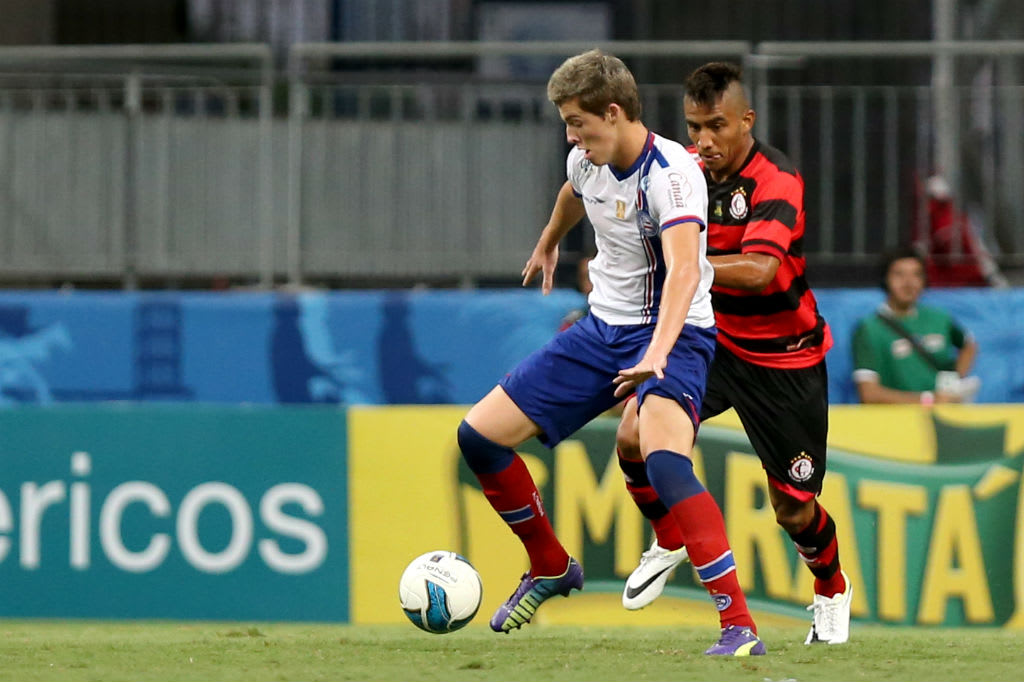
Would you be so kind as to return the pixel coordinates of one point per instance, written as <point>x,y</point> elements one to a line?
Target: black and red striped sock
<point>819,549</point>
<point>646,499</point>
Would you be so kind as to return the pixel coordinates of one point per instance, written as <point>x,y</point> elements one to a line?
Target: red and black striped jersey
<point>760,209</point>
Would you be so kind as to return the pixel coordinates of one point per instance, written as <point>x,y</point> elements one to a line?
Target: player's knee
<point>627,436</point>
<point>794,515</point>
<point>482,455</point>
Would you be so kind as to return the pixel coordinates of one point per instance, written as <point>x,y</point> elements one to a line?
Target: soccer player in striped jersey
<point>770,360</point>
<point>650,329</point>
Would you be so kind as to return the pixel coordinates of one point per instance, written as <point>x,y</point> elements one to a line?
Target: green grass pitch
<point>142,651</point>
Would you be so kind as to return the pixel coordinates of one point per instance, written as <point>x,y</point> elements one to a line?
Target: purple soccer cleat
<point>531,593</point>
<point>737,641</point>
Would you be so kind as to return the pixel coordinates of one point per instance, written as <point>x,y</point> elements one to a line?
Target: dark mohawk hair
<point>706,84</point>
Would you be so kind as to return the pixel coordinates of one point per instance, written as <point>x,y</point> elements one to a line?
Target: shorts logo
<point>801,468</point>
<point>722,601</point>
<point>738,208</point>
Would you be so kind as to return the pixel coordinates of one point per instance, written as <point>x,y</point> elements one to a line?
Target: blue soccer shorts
<point>568,381</point>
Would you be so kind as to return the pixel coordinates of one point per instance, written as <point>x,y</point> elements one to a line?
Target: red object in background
<point>954,254</point>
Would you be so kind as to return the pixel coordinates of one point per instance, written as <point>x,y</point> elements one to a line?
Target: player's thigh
<point>664,425</point>
<point>568,381</point>
<point>497,418</point>
<point>716,393</point>
<point>670,421</point>
<point>669,407</point>
<point>785,416</point>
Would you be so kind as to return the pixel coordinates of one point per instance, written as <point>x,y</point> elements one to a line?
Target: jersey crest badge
<point>718,208</point>
<point>646,223</point>
<point>620,209</point>
<point>738,207</point>
<point>648,226</point>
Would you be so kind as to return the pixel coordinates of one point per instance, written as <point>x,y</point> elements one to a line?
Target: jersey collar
<point>884,308</point>
<point>622,175</point>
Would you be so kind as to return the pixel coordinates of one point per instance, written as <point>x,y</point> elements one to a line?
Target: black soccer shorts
<point>784,413</point>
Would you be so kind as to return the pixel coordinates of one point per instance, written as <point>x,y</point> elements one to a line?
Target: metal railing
<point>149,164</point>
<point>966,134</point>
<point>104,150</point>
<point>442,187</point>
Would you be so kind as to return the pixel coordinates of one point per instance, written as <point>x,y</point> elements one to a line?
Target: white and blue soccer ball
<point>440,591</point>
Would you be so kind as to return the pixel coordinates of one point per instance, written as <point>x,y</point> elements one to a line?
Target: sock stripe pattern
<point>635,471</point>
<point>817,544</point>
<point>717,568</point>
<point>515,516</point>
<point>639,488</point>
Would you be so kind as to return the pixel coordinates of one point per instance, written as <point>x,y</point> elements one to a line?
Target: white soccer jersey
<point>628,210</point>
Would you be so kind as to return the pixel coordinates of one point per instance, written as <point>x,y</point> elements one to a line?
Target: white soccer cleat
<point>831,622</point>
<point>647,580</point>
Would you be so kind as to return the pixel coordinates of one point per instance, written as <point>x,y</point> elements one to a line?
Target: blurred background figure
<point>584,286</point>
<point>907,352</point>
<point>955,254</point>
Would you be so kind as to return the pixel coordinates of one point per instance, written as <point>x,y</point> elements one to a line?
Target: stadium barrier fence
<point>139,165</point>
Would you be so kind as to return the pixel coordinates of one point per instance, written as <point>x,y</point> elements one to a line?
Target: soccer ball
<point>440,592</point>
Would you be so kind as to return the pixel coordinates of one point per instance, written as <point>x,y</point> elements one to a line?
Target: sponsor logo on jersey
<point>678,190</point>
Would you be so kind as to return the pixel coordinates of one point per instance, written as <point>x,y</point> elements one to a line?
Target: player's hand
<point>544,262</point>
<point>628,379</point>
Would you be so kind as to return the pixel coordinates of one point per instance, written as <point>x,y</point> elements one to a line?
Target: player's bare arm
<point>871,391</point>
<point>567,212</point>
<point>681,248</point>
<point>965,358</point>
<point>747,271</point>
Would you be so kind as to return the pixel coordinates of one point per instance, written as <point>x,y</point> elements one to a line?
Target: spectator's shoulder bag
<point>898,327</point>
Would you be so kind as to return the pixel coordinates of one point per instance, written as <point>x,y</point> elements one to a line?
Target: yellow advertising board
<point>926,502</point>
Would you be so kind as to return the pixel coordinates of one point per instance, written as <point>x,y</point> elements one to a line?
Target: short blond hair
<point>597,80</point>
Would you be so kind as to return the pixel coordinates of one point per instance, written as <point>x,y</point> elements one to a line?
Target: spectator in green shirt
<point>907,352</point>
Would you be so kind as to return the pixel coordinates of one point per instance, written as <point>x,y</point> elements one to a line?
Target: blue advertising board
<point>366,347</point>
